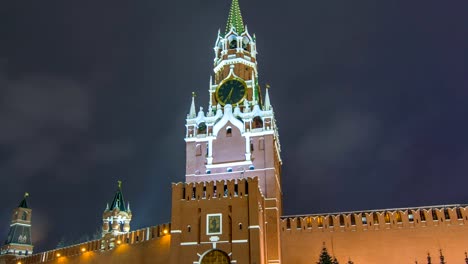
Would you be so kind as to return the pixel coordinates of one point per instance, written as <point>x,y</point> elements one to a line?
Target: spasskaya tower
<point>233,139</point>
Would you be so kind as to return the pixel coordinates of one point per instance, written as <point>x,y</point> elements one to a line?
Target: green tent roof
<point>24,203</point>
<point>119,201</point>
<point>235,18</point>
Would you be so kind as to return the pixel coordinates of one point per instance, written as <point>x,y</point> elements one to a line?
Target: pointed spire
<point>267,98</point>
<point>119,201</point>
<point>107,206</point>
<point>235,19</point>
<point>192,112</point>
<point>24,203</point>
<point>128,207</point>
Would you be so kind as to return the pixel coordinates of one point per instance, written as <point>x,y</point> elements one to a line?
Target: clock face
<point>231,91</point>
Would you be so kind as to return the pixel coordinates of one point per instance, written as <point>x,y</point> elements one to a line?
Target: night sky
<point>370,99</point>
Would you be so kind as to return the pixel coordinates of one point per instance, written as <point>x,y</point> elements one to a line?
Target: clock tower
<point>232,152</point>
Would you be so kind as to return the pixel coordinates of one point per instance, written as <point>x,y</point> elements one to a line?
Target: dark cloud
<point>369,98</point>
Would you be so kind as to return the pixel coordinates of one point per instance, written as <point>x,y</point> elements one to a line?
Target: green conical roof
<point>235,18</point>
<point>119,201</point>
<point>24,203</point>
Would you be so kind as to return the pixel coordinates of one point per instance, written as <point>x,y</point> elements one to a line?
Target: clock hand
<point>229,95</point>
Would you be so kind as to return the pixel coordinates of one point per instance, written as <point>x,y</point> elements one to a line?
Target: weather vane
<point>26,194</point>
<point>120,184</point>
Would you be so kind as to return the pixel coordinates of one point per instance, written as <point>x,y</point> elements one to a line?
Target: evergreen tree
<point>442,258</point>
<point>325,258</point>
<point>62,243</point>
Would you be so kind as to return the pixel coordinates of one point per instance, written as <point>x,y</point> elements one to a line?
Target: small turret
<point>267,98</point>
<point>116,218</point>
<point>192,112</point>
<point>18,242</point>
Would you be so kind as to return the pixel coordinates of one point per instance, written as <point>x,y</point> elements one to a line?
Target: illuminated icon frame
<point>214,224</point>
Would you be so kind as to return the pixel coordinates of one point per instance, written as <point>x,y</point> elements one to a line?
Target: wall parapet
<point>212,189</point>
<point>99,245</point>
<point>412,217</point>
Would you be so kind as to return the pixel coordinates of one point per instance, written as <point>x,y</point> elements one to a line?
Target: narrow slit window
<point>410,216</point>
<point>422,215</point>
<point>341,220</point>
<point>229,132</point>
<point>446,214</point>
<point>198,150</point>
<point>434,215</point>
<point>459,213</point>
<point>376,218</point>
<point>364,219</point>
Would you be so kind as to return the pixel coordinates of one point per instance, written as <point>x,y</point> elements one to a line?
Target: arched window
<point>309,222</point>
<point>257,122</point>
<point>320,221</point>
<point>233,44</point>
<point>341,220</point>
<point>330,220</point>
<point>215,256</point>
<point>245,43</point>
<point>201,128</point>
<point>387,217</point>
<point>24,216</point>
<point>228,132</point>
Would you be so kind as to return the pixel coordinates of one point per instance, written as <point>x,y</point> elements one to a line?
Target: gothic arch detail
<point>215,256</point>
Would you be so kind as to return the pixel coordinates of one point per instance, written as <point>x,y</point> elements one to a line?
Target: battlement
<point>213,189</point>
<point>99,245</point>
<point>415,217</point>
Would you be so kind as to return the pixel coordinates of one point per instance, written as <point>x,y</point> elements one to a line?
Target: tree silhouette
<point>325,258</point>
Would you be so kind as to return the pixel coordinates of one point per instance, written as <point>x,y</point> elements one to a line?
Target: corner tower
<point>18,242</point>
<point>235,138</point>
